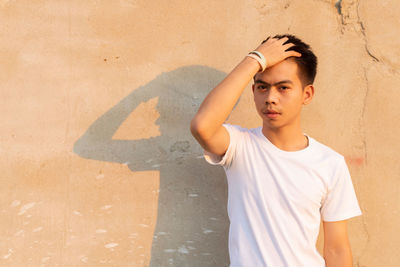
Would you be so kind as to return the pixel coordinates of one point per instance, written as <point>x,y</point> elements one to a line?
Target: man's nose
<point>271,97</point>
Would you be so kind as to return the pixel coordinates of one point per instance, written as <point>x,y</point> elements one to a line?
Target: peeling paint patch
<point>19,233</point>
<point>7,256</point>
<point>26,207</point>
<point>183,250</point>
<point>180,146</point>
<point>37,229</point>
<point>10,251</point>
<point>106,207</point>
<point>132,235</point>
<point>84,258</point>
<point>15,203</point>
<point>161,233</point>
<point>111,245</point>
<point>77,213</point>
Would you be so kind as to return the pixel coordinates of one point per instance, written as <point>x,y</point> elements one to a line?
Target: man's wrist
<point>259,57</point>
<point>252,64</point>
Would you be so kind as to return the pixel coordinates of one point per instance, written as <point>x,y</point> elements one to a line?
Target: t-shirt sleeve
<point>341,201</point>
<point>226,159</point>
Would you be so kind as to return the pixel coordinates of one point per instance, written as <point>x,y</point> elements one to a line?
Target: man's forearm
<point>219,103</point>
<point>338,258</point>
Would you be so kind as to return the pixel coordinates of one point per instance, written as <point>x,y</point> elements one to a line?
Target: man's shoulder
<point>243,134</point>
<point>326,151</point>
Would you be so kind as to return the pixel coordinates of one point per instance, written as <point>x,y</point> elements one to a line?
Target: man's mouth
<point>271,113</point>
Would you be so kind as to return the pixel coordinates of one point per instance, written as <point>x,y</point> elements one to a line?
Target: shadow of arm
<point>97,143</point>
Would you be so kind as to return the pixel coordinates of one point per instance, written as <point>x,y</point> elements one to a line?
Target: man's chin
<point>272,124</point>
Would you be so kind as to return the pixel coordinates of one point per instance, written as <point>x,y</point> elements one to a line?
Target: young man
<point>280,181</point>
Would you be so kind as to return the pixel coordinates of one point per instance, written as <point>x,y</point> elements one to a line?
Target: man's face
<point>279,95</point>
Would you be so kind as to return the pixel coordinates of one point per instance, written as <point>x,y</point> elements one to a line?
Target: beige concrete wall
<point>98,167</point>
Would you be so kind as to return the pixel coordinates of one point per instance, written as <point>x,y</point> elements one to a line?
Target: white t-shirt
<point>276,198</point>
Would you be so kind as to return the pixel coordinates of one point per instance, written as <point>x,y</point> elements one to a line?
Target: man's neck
<point>290,138</point>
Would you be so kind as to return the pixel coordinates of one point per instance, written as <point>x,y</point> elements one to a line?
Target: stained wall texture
<point>98,167</point>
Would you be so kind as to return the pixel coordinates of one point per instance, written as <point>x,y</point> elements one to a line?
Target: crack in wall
<point>387,65</point>
<point>364,142</point>
<point>362,119</point>
<point>350,20</point>
<point>362,30</point>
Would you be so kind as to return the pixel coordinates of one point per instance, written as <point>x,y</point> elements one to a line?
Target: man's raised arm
<point>206,126</point>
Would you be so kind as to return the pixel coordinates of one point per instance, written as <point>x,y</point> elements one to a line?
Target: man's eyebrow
<point>278,83</point>
<point>261,81</point>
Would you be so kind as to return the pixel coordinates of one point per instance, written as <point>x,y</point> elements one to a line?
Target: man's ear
<point>308,94</point>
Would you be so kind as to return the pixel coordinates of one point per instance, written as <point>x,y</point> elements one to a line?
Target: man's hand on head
<point>275,50</point>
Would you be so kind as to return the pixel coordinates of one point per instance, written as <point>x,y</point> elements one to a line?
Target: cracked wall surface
<point>98,165</point>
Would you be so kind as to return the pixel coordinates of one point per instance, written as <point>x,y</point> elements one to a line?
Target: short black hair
<point>307,63</point>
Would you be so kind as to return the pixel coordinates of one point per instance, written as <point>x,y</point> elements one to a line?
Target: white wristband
<point>262,63</point>
<point>261,56</point>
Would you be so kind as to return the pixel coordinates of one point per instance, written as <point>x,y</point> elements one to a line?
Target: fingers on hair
<point>288,45</point>
<point>277,37</point>
<point>269,37</point>
<point>294,53</point>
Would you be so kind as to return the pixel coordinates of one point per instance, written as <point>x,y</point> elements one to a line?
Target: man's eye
<point>283,88</point>
<point>261,87</point>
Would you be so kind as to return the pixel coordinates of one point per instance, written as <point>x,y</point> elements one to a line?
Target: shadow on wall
<point>192,225</point>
